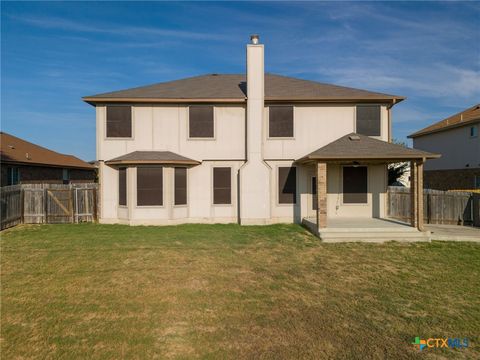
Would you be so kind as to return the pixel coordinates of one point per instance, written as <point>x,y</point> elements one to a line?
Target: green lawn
<point>225,291</point>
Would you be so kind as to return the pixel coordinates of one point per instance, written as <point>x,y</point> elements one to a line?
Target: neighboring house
<point>456,138</point>
<point>254,149</point>
<point>25,163</point>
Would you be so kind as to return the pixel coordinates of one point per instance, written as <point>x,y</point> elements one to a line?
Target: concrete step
<point>393,229</point>
<point>406,236</point>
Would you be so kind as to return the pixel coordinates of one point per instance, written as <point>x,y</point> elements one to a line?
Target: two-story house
<point>254,149</point>
<point>456,138</point>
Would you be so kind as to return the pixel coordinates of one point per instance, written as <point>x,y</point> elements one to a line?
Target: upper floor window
<point>222,185</point>
<point>66,176</point>
<point>368,120</point>
<point>149,186</point>
<point>122,186</point>
<point>200,121</point>
<point>119,121</point>
<point>473,131</point>
<point>477,182</point>
<point>280,121</point>
<point>13,175</point>
<point>287,185</point>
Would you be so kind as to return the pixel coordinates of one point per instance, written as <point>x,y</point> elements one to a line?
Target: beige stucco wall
<point>315,126</point>
<point>199,208</point>
<point>166,128</point>
<point>376,197</point>
<point>456,147</point>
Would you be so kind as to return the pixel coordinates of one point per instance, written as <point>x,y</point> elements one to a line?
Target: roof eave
<point>393,100</point>
<point>102,100</point>
<point>152,162</point>
<point>446,128</point>
<point>18,162</point>
<point>399,158</point>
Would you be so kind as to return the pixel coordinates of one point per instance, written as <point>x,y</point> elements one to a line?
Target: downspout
<point>389,109</point>
<point>245,157</point>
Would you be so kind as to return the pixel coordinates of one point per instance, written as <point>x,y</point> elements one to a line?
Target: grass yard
<point>225,291</point>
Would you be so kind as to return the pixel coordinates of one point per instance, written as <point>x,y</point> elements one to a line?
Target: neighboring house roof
<point>152,157</point>
<point>19,151</point>
<point>360,147</point>
<point>233,88</point>
<point>469,116</point>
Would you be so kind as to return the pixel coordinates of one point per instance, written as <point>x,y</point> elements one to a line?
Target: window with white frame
<point>474,131</point>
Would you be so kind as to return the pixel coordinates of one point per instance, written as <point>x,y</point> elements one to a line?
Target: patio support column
<point>413,194</point>
<point>321,195</point>
<point>420,196</point>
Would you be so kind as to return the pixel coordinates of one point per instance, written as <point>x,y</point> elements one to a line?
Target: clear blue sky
<point>53,53</point>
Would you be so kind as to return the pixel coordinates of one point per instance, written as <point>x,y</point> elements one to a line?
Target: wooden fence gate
<point>48,203</point>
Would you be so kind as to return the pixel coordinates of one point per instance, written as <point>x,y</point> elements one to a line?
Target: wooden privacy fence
<point>48,203</point>
<point>439,207</point>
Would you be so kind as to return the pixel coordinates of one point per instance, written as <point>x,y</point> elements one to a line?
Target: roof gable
<point>464,117</point>
<point>233,87</point>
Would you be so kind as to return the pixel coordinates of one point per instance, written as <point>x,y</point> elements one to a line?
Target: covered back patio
<point>353,152</point>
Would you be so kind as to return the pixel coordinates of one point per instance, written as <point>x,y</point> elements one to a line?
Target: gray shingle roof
<point>234,87</point>
<point>19,151</point>
<point>360,147</point>
<point>152,157</point>
<point>468,116</point>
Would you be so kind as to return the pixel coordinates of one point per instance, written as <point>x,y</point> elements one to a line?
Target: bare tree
<point>397,170</point>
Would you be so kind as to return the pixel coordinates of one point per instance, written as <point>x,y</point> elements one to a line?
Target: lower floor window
<point>150,186</point>
<point>287,185</point>
<point>477,182</point>
<point>222,185</point>
<point>355,186</point>
<point>122,186</point>
<point>180,183</point>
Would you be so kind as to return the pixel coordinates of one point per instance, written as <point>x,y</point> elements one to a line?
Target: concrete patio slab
<point>365,230</point>
<point>453,232</point>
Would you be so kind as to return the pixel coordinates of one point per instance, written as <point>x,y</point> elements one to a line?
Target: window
<point>473,131</point>
<point>122,186</point>
<point>180,186</point>
<point>119,121</point>
<point>13,174</point>
<point>477,182</point>
<point>280,121</point>
<point>66,176</point>
<point>355,185</point>
<point>222,185</point>
<point>149,186</point>
<point>200,121</point>
<point>287,185</point>
<point>368,120</point>
<point>314,193</point>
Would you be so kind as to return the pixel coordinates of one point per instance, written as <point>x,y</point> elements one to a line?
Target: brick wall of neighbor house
<point>457,179</point>
<point>42,174</point>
